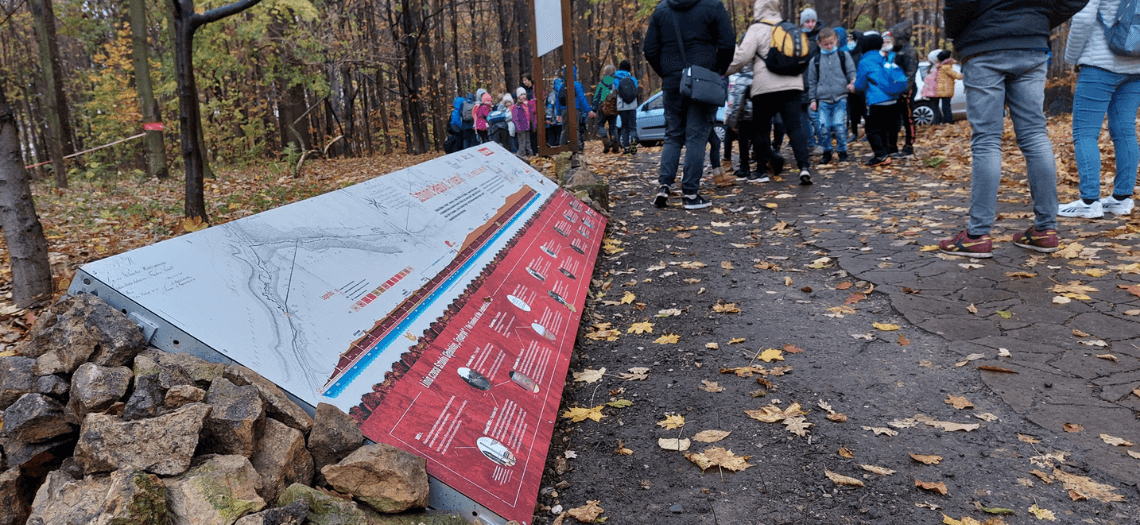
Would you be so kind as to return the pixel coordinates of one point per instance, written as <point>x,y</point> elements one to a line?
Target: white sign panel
<point>548,25</point>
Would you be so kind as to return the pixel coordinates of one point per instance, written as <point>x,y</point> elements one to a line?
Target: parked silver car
<point>651,121</point>
<point>924,108</point>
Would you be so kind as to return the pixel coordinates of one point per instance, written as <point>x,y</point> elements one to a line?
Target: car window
<point>656,103</point>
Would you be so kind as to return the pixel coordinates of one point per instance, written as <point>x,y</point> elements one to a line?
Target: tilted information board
<point>437,305</point>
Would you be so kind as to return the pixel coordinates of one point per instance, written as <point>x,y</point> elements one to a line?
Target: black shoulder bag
<point>698,83</point>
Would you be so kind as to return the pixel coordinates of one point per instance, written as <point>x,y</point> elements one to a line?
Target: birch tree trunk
<point>27,247</point>
<point>155,148</point>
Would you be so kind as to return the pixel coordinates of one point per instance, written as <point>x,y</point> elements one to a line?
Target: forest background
<point>336,78</point>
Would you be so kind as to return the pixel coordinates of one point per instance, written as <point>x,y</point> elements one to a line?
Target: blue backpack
<point>893,82</point>
<point>1123,35</point>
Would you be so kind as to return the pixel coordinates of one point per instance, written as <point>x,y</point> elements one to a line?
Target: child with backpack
<point>627,108</point>
<point>523,117</point>
<point>605,105</point>
<point>467,117</point>
<point>831,76</point>
<point>882,81</point>
<point>454,140</point>
<point>499,121</point>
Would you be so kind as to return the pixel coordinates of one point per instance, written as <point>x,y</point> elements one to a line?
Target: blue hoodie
<point>455,125</point>
<point>620,75</point>
<point>871,74</point>
<point>581,103</point>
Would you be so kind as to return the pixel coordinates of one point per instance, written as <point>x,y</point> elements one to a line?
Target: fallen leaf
<point>693,265</point>
<point>727,265</point>
<point>926,459</point>
<point>1115,441</point>
<point>711,436</point>
<point>679,445</point>
<point>1109,357</point>
<point>1028,439</point>
<point>1005,314</point>
<point>1041,513</point>
<point>622,449</point>
<point>712,346</point>
<point>667,339</point>
<point>628,297</point>
<point>771,354</point>
<point>837,417</point>
<point>736,340</point>
<point>1021,275</point>
<point>985,416</point>
<point>589,376</point>
<point>903,341</point>
<point>971,357</point>
<point>843,286</point>
<point>579,414</point>
<point>725,308</point>
<point>620,403</point>
<point>719,457</point>
<point>886,327</point>
<point>881,431</point>
<point>840,479</point>
<point>669,312</point>
<point>787,281</point>
<point>997,369</point>
<point>711,386</point>
<point>972,309</point>
<point>959,402</point>
<point>638,373</point>
<point>938,487</point>
<point>797,425</point>
<point>1079,333</point>
<point>1087,487</point>
<point>992,510</point>
<point>586,513</point>
<point>874,469</point>
<point>1134,454</point>
<point>966,520</point>
<point>672,422</point>
<point>640,328</point>
<point>792,349</point>
<point>846,452</point>
<point>854,298</point>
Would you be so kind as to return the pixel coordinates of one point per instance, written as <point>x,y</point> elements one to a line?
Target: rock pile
<point>98,428</point>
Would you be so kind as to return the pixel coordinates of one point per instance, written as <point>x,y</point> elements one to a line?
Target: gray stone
<point>37,459</point>
<point>78,329</point>
<point>281,459</point>
<point>147,399</point>
<point>175,369</point>
<point>236,420</point>
<point>219,490</point>
<point>126,496</point>
<point>383,477</point>
<point>16,379</point>
<point>15,497</point>
<point>291,514</point>
<point>35,418</point>
<point>163,445</point>
<point>52,385</point>
<point>335,435</point>
<point>324,508</point>
<point>95,388</point>
<point>182,395</point>
<point>279,406</point>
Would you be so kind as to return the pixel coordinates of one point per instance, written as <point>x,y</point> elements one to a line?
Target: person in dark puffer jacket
<point>709,42</point>
<point>1005,68</point>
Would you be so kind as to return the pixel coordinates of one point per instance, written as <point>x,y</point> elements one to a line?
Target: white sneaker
<point>1078,208</point>
<point>1110,204</point>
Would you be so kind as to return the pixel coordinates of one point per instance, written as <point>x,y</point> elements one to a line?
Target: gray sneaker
<point>694,202</point>
<point>662,198</point>
<point>1111,205</point>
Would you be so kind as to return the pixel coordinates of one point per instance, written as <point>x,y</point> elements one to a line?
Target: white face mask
<point>888,46</point>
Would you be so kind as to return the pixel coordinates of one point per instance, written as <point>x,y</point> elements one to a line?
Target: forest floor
<point>824,364</point>
<point>782,299</point>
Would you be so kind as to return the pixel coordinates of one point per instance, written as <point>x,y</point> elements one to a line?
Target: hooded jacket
<point>707,33</point>
<point>982,26</point>
<point>871,73</point>
<point>1087,45</point>
<point>618,76</point>
<point>754,47</point>
<point>835,73</point>
<point>455,125</point>
<point>946,79</point>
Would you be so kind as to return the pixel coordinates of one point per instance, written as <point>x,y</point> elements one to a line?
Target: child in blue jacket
<point>882,120</point>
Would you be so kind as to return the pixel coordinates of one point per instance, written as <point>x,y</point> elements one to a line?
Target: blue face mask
<point>826,52</point>
<point>850,46</point>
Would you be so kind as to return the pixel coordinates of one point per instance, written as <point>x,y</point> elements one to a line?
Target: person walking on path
<point>811,26</point>
<point>627,107</point>
<point>831,76</point>
<point>605,106</point>
<point>945,81</point>
<point>907,58</point>
<point>1005,68</point>
<point>706,33</point>
<point>772,94</point>
<point>882,128</point>
<point>1110,83</point>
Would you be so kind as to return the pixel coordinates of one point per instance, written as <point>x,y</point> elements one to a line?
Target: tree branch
<point>214,15</point>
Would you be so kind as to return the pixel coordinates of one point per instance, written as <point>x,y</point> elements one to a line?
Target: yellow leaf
<point>589,376</point>
<point>579,414</point>
<point>771,205</point>
<point>725,308</point>
<point>959,402</point>
<point>727,265</point>
<point>667,339</point>
<point>586,513</point>
<point>771,354</point>
<point>712,386</point>
<point>929,248</point>
<point>628,297</point>
<point>712,346</point>
<point>719,457</point>
<point>193,224</point>
<point>1028,439</point>
<point>680,445</point>
<point>885,326</point>
<point>1041,513</point>
<point>641,328</point>
<point>672,422</point>
<point>926,459</point>
<point>738,340</point>
<point>1115,441</point>
<point>693,265</point>
<point>711,436</point>
<point>840,479</point>
<point>938,487</point>
<point>787,281</point>
<point>874,469</point>
<point>639,373</point>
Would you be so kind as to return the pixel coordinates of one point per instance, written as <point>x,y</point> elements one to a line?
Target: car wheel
<point>718,128</point>
<point>923,114</point>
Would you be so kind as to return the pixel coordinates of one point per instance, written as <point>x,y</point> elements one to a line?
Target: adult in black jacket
<point>856,103</point>
<point>1004,47</point>
<point>709,41</point>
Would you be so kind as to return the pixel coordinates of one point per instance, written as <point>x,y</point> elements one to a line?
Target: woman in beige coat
<point>772,93</point>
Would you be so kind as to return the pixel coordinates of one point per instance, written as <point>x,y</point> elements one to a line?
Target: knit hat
<point>933,56</point>
<point>943,55</point>
<point>808,14</point>
<point>520,91</point>
<point>507,99</point>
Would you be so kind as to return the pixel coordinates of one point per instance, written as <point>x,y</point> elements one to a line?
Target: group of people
<point>511,122</point>
<point>1002,70</point>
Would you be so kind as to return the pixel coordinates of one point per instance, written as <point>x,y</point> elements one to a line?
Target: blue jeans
<point>628,130</point>
<point>833,124</point>
<point>1013,79</point>
<point>1099,91</point>
<point>687,124</point>
<point>603,121</point>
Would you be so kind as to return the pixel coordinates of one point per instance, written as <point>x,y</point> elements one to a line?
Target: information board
<point>437,305</point>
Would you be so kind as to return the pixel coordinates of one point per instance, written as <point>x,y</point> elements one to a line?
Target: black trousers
<point>883,129</point>
<point>786,104</point>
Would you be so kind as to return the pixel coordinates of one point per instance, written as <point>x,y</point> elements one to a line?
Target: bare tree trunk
<point>156,150</point>
<point>381,91</point>
<point>27,247</point>
<point>49,66</point>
